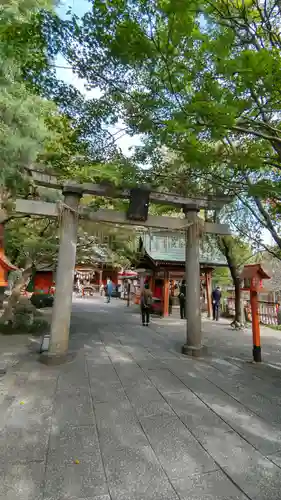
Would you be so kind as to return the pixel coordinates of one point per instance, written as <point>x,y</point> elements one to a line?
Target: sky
<point>80,7</point>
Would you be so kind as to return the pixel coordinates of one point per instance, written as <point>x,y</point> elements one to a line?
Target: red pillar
<point>152,284</point>
<point>255,326</point>
<point>166,291</point>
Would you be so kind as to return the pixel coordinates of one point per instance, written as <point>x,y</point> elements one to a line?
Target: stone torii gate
<point>69,212</point>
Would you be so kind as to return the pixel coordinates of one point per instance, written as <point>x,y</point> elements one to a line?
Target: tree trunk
<point>226,246</point>
<point>20,283</point>
<point>239,310</point>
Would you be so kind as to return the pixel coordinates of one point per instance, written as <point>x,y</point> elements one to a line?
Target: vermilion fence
<point>268,311</point>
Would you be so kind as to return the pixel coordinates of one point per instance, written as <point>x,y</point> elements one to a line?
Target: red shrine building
<point>5,265</point>
<point>162,255</point>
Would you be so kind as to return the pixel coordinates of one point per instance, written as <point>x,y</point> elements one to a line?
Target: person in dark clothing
<point>182,295</point>
<point>216,298</point>
<point>171,293</point>
<point>109,289</point>
<point>145,303</point>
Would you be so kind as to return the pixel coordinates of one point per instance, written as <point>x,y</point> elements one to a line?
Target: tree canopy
<point>200,79</point>
<point>24,129</point>
<point>35,242</point>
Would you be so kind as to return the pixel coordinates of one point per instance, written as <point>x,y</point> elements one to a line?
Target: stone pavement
<point>132,419</point>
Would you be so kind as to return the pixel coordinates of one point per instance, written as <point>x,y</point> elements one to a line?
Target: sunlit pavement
<point>132,419</point>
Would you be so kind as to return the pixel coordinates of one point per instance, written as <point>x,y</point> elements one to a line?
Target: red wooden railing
<point>267,310</point>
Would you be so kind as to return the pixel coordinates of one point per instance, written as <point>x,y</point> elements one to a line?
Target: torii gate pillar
<point>193,345</point>
<point>59,336</point>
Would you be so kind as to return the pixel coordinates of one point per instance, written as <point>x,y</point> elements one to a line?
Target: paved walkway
<point>132,419</point>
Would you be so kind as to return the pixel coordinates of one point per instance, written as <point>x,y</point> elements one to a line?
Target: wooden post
<point>59,337</point>
<point>209,293</point>
<point>193,344</point>
<point>141,282</point>
<point>166,291</point>
<point>100,277</point>
<point>255,326</point>
<point>141,273</point>
<point>128,293</point>
<point>173,288</point>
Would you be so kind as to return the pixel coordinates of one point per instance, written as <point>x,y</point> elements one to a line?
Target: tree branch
<point>270,138</point>
<point>41,234</point>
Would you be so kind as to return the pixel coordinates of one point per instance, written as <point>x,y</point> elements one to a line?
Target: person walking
<point>109,289</point>
<point>182,296</point>
<point>117,288</point>
<point>216,299</point>
<point>145,303</point>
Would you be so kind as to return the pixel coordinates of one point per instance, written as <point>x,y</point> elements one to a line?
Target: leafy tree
<point>221,277</point>
<point>33,129</point>
<point>33,35</point>
<point>199,79</point>
<point>23,127</point>
<point>35,241</point>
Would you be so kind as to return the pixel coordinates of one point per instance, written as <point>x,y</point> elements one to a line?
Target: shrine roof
<point>177,256</point>
<point>169,249</point>
<point>45,267</point>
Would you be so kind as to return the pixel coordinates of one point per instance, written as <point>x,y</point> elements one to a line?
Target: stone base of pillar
<point>195,352</point>
<point>50,359</point>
